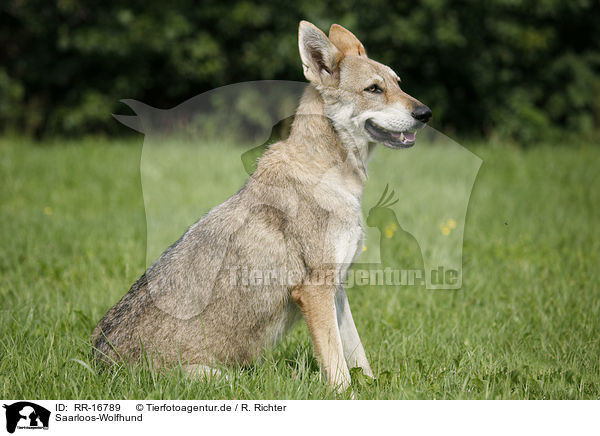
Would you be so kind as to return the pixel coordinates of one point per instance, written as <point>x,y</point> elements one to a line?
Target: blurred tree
<point>522,69</point>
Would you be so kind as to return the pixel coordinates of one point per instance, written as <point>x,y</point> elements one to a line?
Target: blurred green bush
<point>527,70</point>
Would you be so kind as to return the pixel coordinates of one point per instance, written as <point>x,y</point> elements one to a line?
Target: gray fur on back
<point>193,305</point>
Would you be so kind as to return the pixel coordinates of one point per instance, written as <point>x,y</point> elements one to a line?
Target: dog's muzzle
<point>388,137</point>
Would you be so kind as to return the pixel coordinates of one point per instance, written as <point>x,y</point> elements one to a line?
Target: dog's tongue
<point>409,136</point>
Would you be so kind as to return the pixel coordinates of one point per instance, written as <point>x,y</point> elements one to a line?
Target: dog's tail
<point>114,333</point>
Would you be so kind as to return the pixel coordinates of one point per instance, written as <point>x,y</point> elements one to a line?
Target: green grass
<point>525,325</point>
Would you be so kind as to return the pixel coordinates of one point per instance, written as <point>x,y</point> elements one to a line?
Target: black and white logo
<point>26,415</point>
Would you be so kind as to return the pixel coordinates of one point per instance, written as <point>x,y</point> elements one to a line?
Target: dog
<point>298,213</point>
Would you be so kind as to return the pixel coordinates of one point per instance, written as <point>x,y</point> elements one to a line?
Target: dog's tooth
<point>409,136</point>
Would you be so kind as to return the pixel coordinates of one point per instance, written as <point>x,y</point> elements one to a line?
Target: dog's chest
<point>339,193</point>
<point>347,241</point>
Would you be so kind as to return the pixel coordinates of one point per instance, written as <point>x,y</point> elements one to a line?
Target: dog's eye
<point>374,89</point>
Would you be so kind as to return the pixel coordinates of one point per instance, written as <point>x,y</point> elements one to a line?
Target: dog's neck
<point>323,141</point>
<point>317,159</point>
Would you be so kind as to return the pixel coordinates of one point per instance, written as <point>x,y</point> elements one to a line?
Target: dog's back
<point>221,292</point>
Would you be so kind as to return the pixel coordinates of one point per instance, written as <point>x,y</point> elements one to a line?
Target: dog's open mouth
<point>390,138</point>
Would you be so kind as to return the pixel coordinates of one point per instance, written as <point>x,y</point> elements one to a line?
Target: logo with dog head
<point>26,415</point>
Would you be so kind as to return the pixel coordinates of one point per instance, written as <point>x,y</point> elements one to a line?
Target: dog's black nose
<point>422,113</point>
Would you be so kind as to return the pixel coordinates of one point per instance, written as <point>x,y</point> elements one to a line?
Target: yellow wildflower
<point>390,230</point>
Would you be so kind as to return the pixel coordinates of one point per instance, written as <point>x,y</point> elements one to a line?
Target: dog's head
<point>362,97</point>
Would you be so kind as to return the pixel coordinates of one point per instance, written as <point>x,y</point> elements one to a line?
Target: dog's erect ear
<point>345,41</point>
<point>320,58</point>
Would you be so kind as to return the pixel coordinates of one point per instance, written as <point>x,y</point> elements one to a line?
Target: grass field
<point>525,325</point>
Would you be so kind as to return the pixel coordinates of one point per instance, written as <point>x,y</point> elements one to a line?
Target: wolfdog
<point>299,213</point>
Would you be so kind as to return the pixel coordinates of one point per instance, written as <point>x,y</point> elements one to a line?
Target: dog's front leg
<point>317,303</point>
<point>353,349</point>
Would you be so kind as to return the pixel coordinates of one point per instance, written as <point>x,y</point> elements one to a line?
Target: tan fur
<point>345,41</point>
<point>300,212</point>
